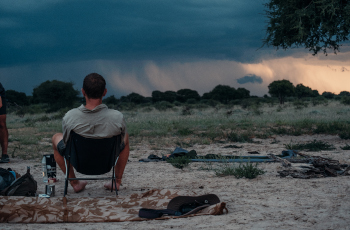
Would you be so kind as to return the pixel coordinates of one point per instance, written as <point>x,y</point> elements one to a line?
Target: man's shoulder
<point>72,113</point>
<point>114,113</point>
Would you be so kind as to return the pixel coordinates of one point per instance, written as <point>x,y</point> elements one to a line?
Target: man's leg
<point>4,135</point>
<point>76,184</point>
<point>121,163</point>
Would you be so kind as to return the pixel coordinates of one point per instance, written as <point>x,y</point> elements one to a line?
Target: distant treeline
<point>57,95</point>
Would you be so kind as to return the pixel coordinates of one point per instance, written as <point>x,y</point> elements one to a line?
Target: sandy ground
<point>267,202</point>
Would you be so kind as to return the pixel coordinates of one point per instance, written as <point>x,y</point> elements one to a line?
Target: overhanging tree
<point>222,93</point>
<point>313,24</point>
<point>17,97</point>
<point>57,94</point>
<point>303,91</point>
<point>183,95</point>
<point>281,89</point>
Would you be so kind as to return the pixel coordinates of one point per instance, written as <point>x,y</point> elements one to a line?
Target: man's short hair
<point>94,85</point>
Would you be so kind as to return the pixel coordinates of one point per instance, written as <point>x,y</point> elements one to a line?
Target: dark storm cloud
<point>250,78</point>
<point>75,30</point>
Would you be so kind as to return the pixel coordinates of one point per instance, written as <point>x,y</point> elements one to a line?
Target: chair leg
<point>114,179</point>
<point>66,179</point>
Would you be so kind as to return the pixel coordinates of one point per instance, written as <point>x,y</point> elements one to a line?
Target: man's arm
<point>122,160</point>
<point>0,102</point>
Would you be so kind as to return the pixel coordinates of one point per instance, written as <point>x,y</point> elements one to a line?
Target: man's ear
<point>83,91</point>
<point>104,93</point>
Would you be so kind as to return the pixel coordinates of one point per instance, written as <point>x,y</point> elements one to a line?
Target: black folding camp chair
<point>92,157</point>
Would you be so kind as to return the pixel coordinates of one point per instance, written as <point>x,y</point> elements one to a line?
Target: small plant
<point>179,162</point>
<point>346,147</point>
<point>310,146</point>
<point>207,167</point>
<point>248,170</point>
<point>344,135</point>
<point>345,100</point>
<point>147,109</point>
<point>234,137</point>
<point>186,110</point>
<point>163,105</point>
<point>184,132</point>
<point>256,109</point>
<point>279,108</point>
<point>319,100</point>
<point>299,104</point>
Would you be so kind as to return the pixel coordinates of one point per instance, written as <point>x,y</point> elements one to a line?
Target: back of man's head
<point>94,86</point>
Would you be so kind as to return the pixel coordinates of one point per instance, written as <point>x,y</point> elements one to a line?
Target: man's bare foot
<point>109,186</point>
<point>78,185</point>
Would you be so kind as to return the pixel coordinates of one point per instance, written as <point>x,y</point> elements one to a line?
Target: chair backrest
<point>92,156</point>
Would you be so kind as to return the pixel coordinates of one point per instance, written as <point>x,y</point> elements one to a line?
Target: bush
<point>184,131</point>
<point>247,170</point>
<point>33,109</point>
<point>191,101</point>
<point>126,106</point>
<point>177,103</point>
<point>163,105</point>
<point>210,102</point>
<point>243,137</point>
<point>332,128</point>
<point>299,104</point>
<point>17,97</point>
<point>346,147</point>
<point>147,109</point>
<point>56,94</point>
<point>310,146</point>
<point>344,135</point>
<point>345,100</point>
<point>319,101</point>
<point>179,162</point>
<point>110,100</point>
<point>186,110</point>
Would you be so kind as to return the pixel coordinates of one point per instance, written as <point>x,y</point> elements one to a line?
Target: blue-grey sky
<point>140,46</point>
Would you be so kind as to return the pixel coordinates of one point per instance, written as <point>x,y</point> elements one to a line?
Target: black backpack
<point>6,178</point>
<point>23,186</point>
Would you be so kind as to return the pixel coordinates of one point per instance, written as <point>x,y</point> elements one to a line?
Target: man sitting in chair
<point>94,120</point>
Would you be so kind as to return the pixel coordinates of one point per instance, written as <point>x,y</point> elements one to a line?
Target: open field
<point>266,202</point>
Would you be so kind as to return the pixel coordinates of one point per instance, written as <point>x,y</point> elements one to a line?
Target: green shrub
<point>246,104</point>
<point>248,170</point>
<point>334,127</point>
<point>210,102</point>
<point>310,146</point>
<point>184,132</point>
<point>234,137</point>
<point>345,100</point>
<point>60,114</point>
<point>147,109</point>
<point>57,94</point>
<point>319,101</point>
<point>186,110</point>
<point>344,135</point>
<point>191,101</point>
<point>256,110</point>
<point>346,147</point>
<point>212,134</point>
<point>179,162</point>
<point>163,105</point>
<point>299,104</point>
<point>177,103</point>
<point>126,106</point>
